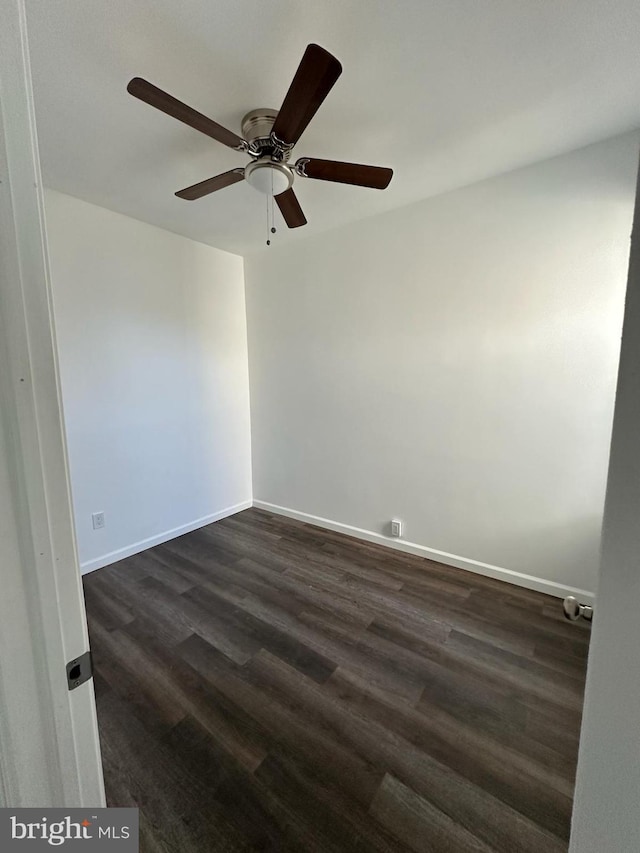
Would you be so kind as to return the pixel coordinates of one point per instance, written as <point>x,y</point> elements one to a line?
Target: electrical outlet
<point>97,520</point>
<point>396,528</point>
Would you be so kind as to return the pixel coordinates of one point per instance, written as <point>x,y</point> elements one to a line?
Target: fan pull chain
<point>270,229</point>
<point>268,240</point>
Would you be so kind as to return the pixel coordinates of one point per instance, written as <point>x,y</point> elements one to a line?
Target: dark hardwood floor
<point>265,685</point>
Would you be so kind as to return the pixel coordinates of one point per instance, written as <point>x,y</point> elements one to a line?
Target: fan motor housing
<point>257,124</point>
<point>265,174</point>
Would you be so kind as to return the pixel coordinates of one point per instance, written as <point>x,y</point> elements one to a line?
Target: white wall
<point>153,357</point>
<point>453,364</point>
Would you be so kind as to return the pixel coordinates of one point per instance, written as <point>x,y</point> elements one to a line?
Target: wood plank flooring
<point>265,685</point>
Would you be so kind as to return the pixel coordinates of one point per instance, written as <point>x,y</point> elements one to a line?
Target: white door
<point>606,817</point>
<point>49,747</point>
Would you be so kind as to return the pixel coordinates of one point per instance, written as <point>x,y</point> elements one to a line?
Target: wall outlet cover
<point>396,527</point>
<point>97,520</point>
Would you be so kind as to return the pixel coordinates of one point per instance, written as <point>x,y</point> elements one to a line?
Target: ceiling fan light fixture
<point>268,177</point>
<point>269,136</point>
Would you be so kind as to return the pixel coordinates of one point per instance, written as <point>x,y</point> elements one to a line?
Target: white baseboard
<point>508,575</point>
<point>143,544</point>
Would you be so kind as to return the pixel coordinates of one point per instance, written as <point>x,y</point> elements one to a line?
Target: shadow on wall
<point>568,553</point>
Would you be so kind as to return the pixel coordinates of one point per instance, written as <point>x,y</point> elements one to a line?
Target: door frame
<point>49,744</point>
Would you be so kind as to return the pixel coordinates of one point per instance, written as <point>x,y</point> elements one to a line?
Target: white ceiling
<point>446,92</point>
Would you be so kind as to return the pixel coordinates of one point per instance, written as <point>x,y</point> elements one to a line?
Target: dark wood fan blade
<point>376,177</point>
<point>290,209</point>
<point>211,185</point>
<point>150,94</point>
<point>312,82</point>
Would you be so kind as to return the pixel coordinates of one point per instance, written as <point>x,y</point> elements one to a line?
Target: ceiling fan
<point>268,137</point>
